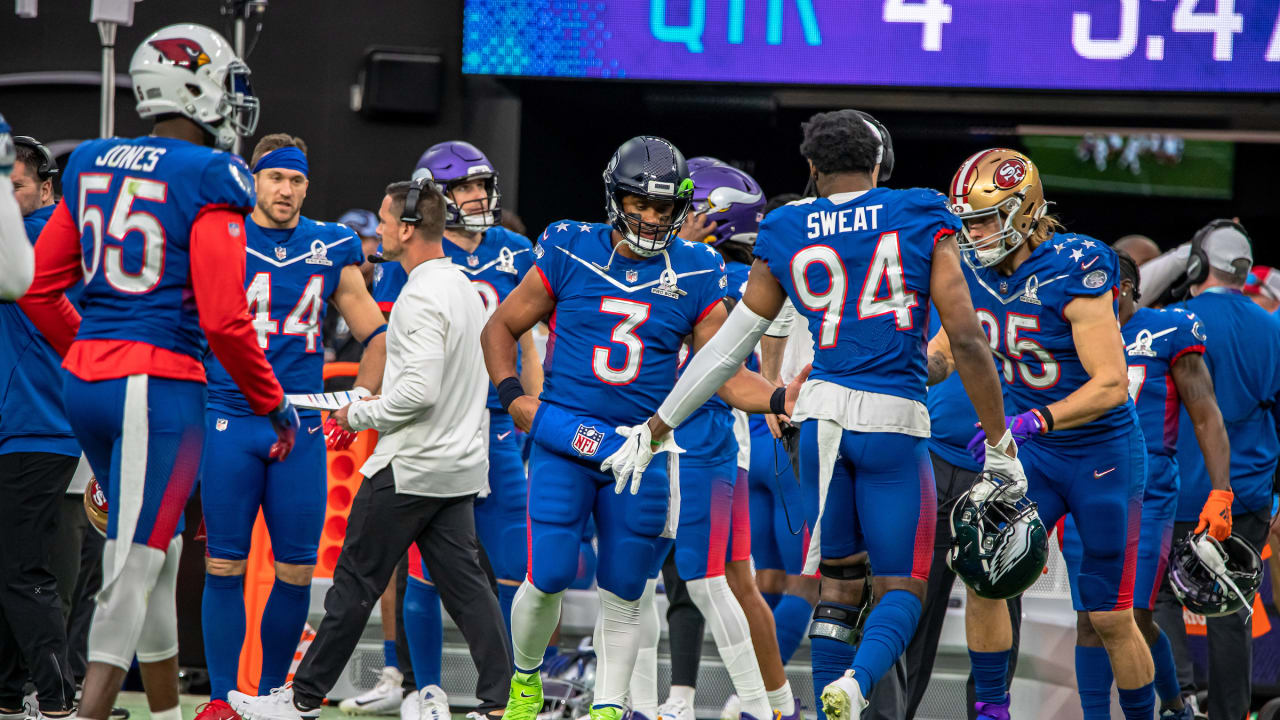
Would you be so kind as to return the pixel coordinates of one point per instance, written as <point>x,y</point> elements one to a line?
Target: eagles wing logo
<point>182,51</point>
<point>1013,547</point>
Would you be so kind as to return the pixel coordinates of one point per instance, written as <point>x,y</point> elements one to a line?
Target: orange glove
<point>1216,515</point>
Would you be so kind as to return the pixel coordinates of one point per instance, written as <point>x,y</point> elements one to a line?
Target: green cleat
<point>842,699</point>
<point>608,712</point>
<point>525,700</point>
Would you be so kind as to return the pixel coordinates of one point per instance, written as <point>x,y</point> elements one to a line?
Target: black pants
<point>380,529</point>
<point>952,482</point>
<point>1230,637</point>
<point>33,639</point>
<point>685,626</point>
<point>88,583</point>
<point>64,556</point>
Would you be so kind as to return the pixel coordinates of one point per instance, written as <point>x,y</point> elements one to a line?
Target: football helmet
<point>451,163</point>
<point>731,198</point>
<point>702,161</point>
<point>998,546</point>
<point>1006,184</point>
<point>95,506</point>
<point>192,71</point>
<point>568,683</point>
<point>652,168</point>
<point>8,153</point>
<point>1212,578</point>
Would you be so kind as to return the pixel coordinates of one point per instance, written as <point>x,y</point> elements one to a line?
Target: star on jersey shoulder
<point>1077,253</point>
<point>584,227</point>
<point>562,227</point>
<point>1088,243</point>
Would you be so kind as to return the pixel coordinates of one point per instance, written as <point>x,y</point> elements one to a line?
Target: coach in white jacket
<point>420,482</point>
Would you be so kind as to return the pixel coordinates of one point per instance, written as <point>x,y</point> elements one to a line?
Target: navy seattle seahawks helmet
<point>651,168</point>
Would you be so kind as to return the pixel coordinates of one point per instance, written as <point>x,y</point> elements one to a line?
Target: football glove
<point>631,460</point>
<point>999,462</point>
<point>284,420</point>
<point>1216,515</point>
<point>1024,427</point>
<point>337,438</point>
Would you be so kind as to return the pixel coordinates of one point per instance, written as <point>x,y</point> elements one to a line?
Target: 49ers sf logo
<point>182,51</point>
<point>1010,173</point>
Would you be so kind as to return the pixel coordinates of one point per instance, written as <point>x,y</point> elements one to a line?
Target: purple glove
<point>1024,427</point>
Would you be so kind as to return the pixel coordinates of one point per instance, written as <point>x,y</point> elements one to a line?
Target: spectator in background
<point>1263,287</point>
<point>339,345</point>
<point>1242,344</point>
<point>365,223</point>
<point>1139,247</point>
<point>32,179</point>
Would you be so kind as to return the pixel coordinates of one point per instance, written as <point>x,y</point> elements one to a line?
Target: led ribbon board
<point>1203,46</point>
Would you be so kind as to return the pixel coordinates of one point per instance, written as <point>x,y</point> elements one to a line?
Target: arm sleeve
<point>418,386</point>
<point>217,278</point>
<point>16,256</point>
<point>714,364</point>
<point>57,259</point>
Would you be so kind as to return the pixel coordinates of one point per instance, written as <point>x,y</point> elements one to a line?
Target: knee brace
<point>840,622</point>
<point>159,638</point>
<point>122,604</point>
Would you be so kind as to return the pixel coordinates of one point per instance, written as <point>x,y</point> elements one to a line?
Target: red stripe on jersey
<point>1184,351</point>
<point>706,312</point>
<point>1124,596</point>
<point>943,232</point>
<point>926,522</point>
<point>386,305</point>
<point>1170,429</point>
<point>177,490</point>
<point>545,283</point>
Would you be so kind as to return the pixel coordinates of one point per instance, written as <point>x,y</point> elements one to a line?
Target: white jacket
<point>431,417</point>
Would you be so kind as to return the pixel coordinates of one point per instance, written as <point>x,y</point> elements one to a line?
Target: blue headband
<point>289,158</point>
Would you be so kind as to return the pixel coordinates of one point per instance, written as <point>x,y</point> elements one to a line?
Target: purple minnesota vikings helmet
<point>730,198</point>
<point>702,161</point>
<point>449,164</point>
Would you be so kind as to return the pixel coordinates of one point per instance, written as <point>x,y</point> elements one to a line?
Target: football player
<point>622,297</point>
<point>1047,302</point>
<point>16,255</point>
<point>294,267</point>
<point>155,227</point>
<point>1165,350</point>
<point>864,447</point>
<point>495,259</point>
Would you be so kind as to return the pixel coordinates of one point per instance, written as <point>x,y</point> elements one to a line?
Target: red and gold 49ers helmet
<point>95,506</point>
<point>1006,184</point>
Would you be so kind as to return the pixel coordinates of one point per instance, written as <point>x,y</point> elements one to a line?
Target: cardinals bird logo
<point>182,51</point>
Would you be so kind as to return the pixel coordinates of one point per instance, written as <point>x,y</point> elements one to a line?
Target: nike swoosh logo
<point>362,703</point>
<point>314,430</point>
<point>524,694</point>
<point>1097,474</point>
<point>503,436</point>
<point>1089,264</point>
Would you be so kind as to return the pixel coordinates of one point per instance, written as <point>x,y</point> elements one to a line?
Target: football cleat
<point>276,706</point>
<point>675,709</point>
<point>607,712</point>
<point>842,699</point>
<point>432,704</point>
<point>797,713</point>
<point>992,711</point>
<point>1185,714</point>
<point>216,710</point>
<point>525,700</point>
<point>383,699</point>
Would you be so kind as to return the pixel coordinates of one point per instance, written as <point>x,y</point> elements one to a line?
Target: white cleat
<point>732,709</point>
<point>842,699</point>
<point>676,709</point>
<point>433,704</point>
<point>276,706</point>
<point>409,707</point>
<point>385,698</point>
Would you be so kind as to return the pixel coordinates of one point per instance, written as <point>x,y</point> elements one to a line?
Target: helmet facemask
<point>475,215</point>
<point>1015,228</point>
<point>646,238</point>
<point>238,105</point>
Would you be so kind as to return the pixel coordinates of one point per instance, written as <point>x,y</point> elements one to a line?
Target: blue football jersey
<point>135,200</point>
<point>1242,344</point>
<point>1034,349</point>
<point>857,267</point>
<point>1154,340</point>
<point>619,324</point>
<point>703,434</point>
<point>289,278</point>
<point>494,269</point>
<point>388,280</point>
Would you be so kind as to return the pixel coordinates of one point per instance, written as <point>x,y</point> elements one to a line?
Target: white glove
<point>999,460</point>
<point>633,458</point>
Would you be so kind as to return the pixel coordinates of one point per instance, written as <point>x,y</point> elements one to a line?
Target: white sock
<point>616,642</point>
<point>534,616</point>
<point>644,678</point>
<point>682,692</point>
<point>729,627</point>
<point>782,700</point>
<point>173,713</point>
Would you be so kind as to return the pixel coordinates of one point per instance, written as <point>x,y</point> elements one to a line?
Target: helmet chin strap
<point>668,277</point>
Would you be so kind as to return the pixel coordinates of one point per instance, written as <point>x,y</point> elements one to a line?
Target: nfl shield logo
<point>586,442</point>
<point>221,424</point>
<point>280,253</point>
<point>632,276</point>
<point>472,261</point>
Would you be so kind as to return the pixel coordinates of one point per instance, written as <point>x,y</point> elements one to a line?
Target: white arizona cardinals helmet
<point>192,71</point>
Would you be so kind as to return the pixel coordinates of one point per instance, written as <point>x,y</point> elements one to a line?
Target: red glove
<point>1216,515</point>
<point>336,438</point>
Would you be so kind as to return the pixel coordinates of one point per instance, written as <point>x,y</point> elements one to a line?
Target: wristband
<point>778,401</point>
<point>508,391</point>
<point>1046,417</point>
<point>381,329</point>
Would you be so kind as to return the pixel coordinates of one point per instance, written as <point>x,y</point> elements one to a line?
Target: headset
<point>410,212</point>
<point>47,167</point>
<point>1198,261</point>
<point>884,154</point>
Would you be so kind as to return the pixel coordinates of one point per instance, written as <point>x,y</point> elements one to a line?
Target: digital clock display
<point>1207,46</point>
